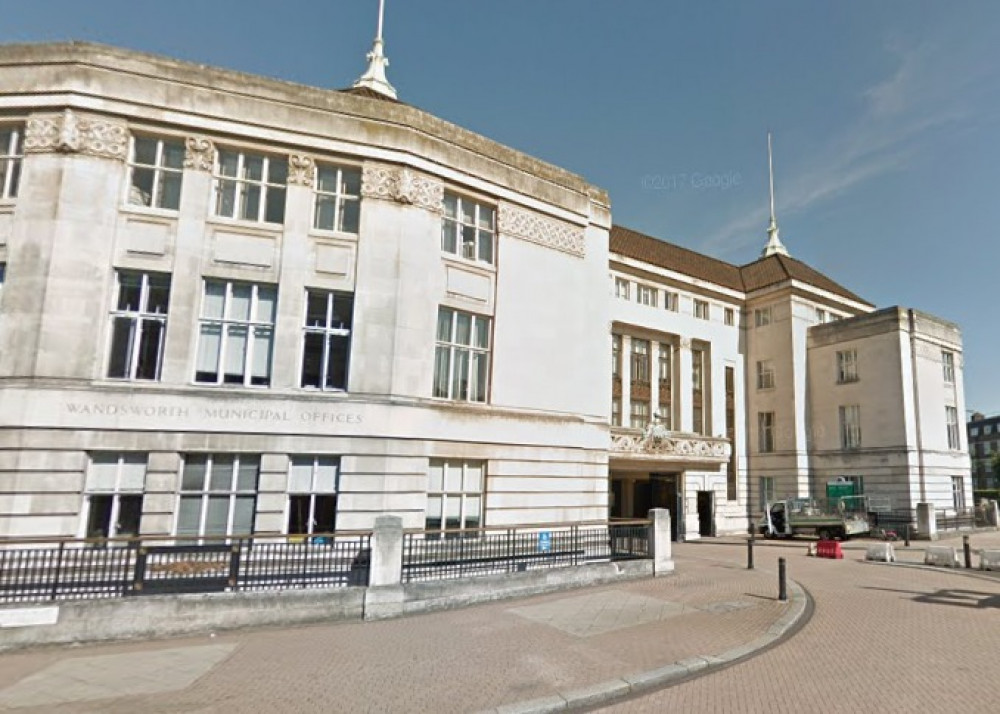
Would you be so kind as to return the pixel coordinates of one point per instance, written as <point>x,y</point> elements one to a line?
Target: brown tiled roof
<point>639,246</point>
<point>759,274</point>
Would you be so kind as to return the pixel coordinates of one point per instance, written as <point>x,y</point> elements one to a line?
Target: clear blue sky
<point>886,115</point>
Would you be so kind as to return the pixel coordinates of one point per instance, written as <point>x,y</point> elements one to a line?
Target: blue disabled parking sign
<point>545,541</point>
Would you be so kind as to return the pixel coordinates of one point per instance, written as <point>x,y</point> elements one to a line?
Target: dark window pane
<point>173,155</point>
<point>352,182</point>
<point>159,294</point>
<point>312,360</point>
<point>99,518</point>
<point>442,362</point>
<point>246,476</point>
<point>275,205</point>
<point>222,473</point>
<point>326,207</point>
<point>298,515</point>
<point>336,369</point>
<point>225,199</point>
<point>145,151</point>
<point>121,347</point>
<point>148,363</point>
<point>277,171</point>
<point>170,191</point>
<point>350,217</point>
<point>250,202</point>
<point>448,232</point>
<point>316,304</point>
<point>15,174</point>
<point>194,472</point>
<point>343,308</point>
<point>141,191</point>
<point>129,515</point>
<point>129,291</point>
<point>325,514</point>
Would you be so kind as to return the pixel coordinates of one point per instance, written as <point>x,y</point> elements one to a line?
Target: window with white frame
<point>138,325</point>
<point>640,361</point>
<point>156,169</point>
<point>237,331</point>
<point>974,431</point>
<point>664,409</point>
<point>951,420</point>
<point>948,366</point>
<point>729,316</point>
<point>467,229</point>
<point>820,315</point>
<point>765,432</point>
<point>671,301</point>
<point>338,198</point>
<point>765,374</point>
<point>11,154</point>
<point>250,187</point>
<point>218,494</point>
<point>639,416</point>
<point>850,427</point>
<point>312,495</point>
<point>326,341</point>
<point>616,411</point>
<point>455,491</point>
<point>621,288</point>
<point>462,356</point>
<point>113,495</point>
<point>645,295</point>
<point>701,309</point>
<point>958,492</point>
<point>762,317</point>
<point>847,366</point>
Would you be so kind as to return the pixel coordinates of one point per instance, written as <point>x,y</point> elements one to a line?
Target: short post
<point>927,521</point>
<point>968,552</point>
<point>384,595</point>
<point>906,535</point>
<point>750,552</point>
<point>659,541</point>
<point>782,585</point>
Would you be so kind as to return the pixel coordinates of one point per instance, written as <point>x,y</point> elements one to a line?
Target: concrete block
<point>384,602</point>
<point>881,552</point>
<point>989,559</point>
<point>943,556</point>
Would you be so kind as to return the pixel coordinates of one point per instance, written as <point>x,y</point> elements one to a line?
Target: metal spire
<point>773,241</point>
<point>374,77</point>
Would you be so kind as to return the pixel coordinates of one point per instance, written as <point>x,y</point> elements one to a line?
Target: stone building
<point>236,304</point>
<point>984,443</point>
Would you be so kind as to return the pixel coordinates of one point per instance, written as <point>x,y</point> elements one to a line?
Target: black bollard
<point>968,551</point>
<point>906,535</point>
<point>750,552</point>
<point>782,589</point>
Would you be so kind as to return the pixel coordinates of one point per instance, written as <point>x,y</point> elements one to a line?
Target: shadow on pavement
<point>950,596</point>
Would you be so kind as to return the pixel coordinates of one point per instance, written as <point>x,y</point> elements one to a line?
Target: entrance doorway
<point>706,513</point>
<point>665,494</point>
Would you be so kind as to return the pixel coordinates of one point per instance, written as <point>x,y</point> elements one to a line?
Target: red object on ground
<point>829,549</point>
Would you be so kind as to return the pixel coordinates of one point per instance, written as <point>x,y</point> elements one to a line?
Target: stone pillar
<point>993,514</point>
<point>384,595</point>
<point>659,540</point>
<point>926,522</point>
<point>626,381</point>
<point>683,386</point>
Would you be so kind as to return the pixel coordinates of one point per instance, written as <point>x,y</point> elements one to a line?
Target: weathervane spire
<point>774,244</point>
<point>374,77</point>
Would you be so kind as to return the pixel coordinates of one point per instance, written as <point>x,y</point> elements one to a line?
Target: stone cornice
<point>76,133</point>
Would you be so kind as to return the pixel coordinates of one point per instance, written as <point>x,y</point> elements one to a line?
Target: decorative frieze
<point>540,229</point>
<point>199,153</point>
<point>656,441</point>
<point>402,185</point>
<point>301,170</point>
<point>74,133</point>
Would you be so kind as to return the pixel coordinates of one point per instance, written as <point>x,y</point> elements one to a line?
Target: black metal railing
<point>33,570</point>
<point>436,555</point>
<point>894,520</point>
<point>955,519</point>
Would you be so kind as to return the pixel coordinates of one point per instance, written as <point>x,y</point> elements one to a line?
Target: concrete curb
<point>613,689</point>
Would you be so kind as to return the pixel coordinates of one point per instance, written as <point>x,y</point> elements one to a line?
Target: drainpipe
<point>916,406</point>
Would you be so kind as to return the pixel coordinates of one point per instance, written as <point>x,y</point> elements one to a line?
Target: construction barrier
<point>829,549</point>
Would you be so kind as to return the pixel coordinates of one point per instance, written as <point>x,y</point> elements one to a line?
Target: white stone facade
<point>232,303</point>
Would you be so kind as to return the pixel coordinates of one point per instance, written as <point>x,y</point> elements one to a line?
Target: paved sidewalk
<point>515,655</point>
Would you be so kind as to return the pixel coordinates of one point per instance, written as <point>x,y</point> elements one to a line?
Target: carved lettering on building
<point>543,230</point>
<point>239,415</point>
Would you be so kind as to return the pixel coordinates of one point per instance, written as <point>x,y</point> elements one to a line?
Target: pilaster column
<point>683,387</point>
<point>626,380</point>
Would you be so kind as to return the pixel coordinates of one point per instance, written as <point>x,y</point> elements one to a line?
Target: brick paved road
<point>881,639</point>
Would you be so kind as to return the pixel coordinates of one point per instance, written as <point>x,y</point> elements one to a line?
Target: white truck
<point>833,519</point>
